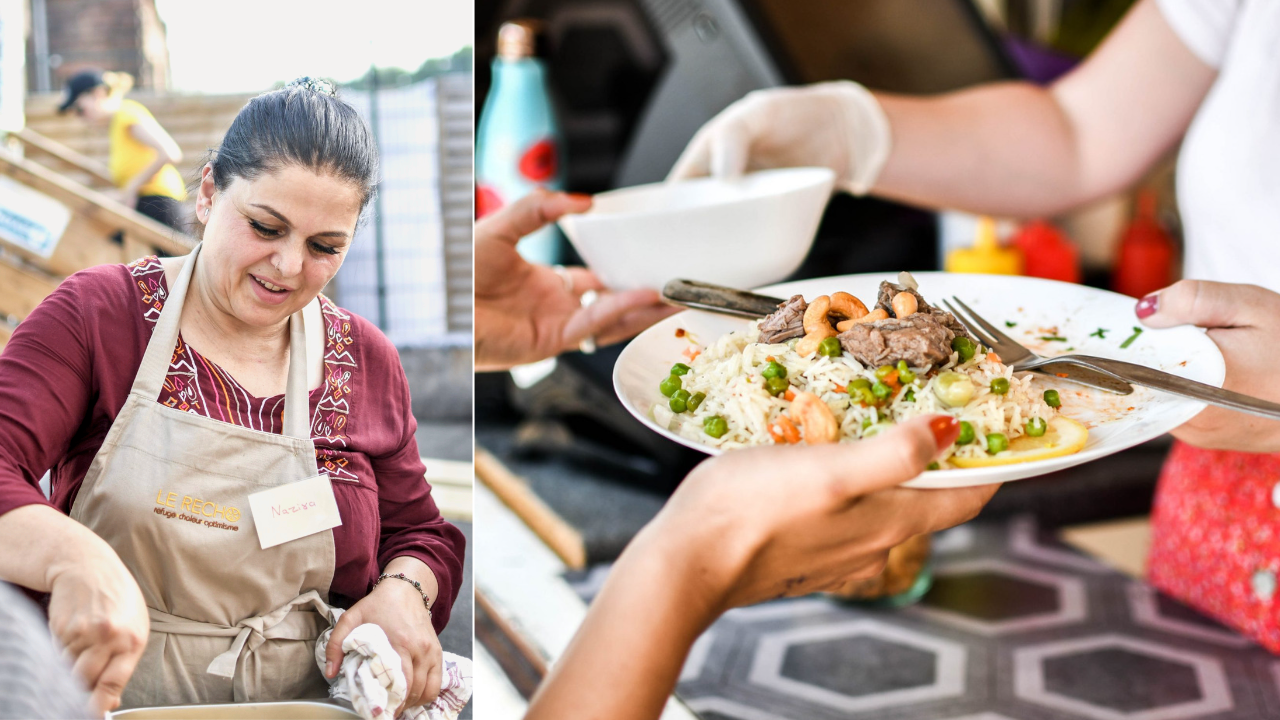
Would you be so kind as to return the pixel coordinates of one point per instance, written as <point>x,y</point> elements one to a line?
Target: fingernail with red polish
<point>945,430</point>
<point>579,197</point>
<point>1148,305</point>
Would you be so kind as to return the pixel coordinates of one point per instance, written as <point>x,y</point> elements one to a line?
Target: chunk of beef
<point>786,323</point>
<point>885,301</point>
<point>922,339</point>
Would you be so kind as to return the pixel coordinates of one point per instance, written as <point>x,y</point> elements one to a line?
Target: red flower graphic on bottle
<point>487,201</point>
<point>538,164</point>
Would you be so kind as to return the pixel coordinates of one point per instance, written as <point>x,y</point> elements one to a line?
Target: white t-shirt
<point>1229,166</point>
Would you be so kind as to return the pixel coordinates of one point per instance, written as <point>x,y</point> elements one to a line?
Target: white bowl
<point>740,233</point>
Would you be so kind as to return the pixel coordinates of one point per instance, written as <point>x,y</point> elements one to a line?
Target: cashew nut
<point>874,315</point>
<point>904,303</point>
<point>814,418</point>
<point>808,344</point>
<point>847,306</point>
<point>815,316</point>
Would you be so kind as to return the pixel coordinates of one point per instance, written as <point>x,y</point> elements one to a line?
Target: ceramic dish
<point>1038,310</point>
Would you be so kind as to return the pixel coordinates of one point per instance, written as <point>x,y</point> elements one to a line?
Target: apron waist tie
<point>291,621</point>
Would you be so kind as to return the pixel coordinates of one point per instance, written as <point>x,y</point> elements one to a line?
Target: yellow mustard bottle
<point>986,255</point>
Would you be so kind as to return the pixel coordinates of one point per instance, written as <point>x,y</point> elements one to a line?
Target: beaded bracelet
<point>426,601</point>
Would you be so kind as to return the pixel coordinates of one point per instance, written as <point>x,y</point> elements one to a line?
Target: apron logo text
<point>196,507</point>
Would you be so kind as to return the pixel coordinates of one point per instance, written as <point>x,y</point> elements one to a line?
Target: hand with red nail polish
<point>1244,322</point>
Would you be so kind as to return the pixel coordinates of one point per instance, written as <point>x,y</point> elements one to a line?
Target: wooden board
<point>515,493</point>
<point>96,221</point>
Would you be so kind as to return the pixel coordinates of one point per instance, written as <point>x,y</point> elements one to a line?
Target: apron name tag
<point>295,510</point>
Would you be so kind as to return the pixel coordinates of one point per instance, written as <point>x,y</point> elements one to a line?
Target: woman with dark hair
<point>142,155</point>
<point>232,454</point>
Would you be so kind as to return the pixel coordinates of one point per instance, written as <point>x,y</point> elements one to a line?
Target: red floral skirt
<point>1215,543</point>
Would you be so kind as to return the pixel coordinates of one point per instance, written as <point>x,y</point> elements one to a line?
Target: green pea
<point>933,466</point>
<point>965,347</point>
<point>680,369</point>
<point>715,426</point>
<point>669,386</point>
<point>867,422</point>
<point>695,401</point>
<point>679,401</point>
<point>1036,427</point>
<point>884,371</point>
<point>881,391</point>
<point>910,396</point>
<point>904,373</point>
<point>1051,398</point>
<point>999,386</point>
<point>774,370</point>
<point>997,442</point>
<point>966,435</point>
<point>860,391</point>
<point>830,347</point>
<point>776,386</point>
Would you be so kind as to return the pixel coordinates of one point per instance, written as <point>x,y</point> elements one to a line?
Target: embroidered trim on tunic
<point>196,385</point>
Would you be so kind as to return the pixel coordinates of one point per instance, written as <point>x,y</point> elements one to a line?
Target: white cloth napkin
<point>372,680</point>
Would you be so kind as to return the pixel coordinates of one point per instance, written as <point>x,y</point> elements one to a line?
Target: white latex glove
<point>838,125</point>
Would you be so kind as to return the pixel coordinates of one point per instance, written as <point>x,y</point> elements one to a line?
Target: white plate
<point>1037,306</point>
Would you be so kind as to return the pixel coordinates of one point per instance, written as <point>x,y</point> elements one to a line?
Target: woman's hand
<point>1244,321</point>
<point>747,526</point>
<point>838,125</point>
<point>396,606</point>
<point>97,613</point>
<point>527,312</point>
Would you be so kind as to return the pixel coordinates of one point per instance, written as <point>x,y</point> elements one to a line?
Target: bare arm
<point>733,535</point>
<point>1017,149</point>
<point>95,608</point>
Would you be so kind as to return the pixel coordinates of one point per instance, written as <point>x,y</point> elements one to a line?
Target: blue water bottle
<point>518,142</point>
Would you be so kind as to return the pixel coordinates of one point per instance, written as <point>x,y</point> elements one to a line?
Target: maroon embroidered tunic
<point>69,366</point>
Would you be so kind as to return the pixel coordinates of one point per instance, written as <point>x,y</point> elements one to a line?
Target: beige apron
<point>169,491</point>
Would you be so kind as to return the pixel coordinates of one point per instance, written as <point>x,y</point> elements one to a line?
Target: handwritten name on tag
<point>295,510</point>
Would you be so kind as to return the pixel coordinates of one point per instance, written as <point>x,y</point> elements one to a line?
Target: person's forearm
<point>624,661</point>
<point>1004,149</point>
<point>40,543</point>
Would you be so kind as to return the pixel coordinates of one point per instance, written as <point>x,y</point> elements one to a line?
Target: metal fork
<point>1020,358</point>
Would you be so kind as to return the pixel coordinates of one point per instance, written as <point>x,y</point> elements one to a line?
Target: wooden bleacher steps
<point>98,229</point>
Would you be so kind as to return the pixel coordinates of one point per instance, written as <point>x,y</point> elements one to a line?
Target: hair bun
<point>315,85</point>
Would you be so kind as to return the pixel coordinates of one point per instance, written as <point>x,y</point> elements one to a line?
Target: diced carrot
<point>891,379</point>
<point>1061,375</point>
<point>841,389</point>
<point>691,352</point>
<point>789,395</point>
<point>768,358</point>
<point>789,429</point>
<point>993,357</point>
<point>776,434</point>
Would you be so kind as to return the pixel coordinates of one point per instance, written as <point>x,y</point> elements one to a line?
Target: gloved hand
<point>838,125</point>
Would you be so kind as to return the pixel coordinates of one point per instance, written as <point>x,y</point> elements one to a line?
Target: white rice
<point>729,373</point>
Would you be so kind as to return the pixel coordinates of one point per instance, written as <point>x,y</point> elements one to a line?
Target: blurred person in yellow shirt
<point>142,154</point>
